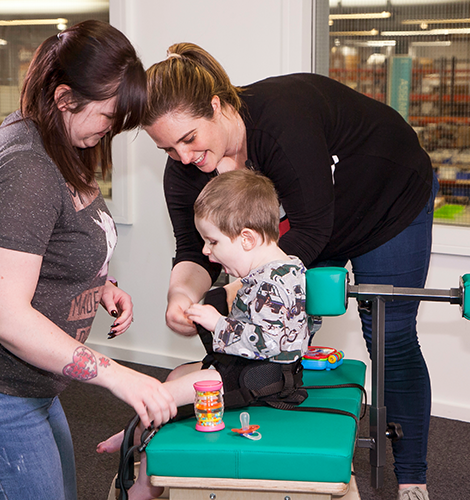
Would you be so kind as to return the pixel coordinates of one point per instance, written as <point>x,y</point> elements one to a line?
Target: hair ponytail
<point>186,81</point>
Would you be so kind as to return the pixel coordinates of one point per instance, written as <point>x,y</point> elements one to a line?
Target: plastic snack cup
<point>209,406</point>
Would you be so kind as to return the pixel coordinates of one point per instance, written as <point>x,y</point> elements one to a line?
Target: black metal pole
<point>378,411</point>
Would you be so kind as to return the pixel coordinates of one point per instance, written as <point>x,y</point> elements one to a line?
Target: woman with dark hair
<point>82,88</point>
<point>354,185</point>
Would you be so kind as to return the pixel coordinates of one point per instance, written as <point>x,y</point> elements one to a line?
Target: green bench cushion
<point>295,446</point>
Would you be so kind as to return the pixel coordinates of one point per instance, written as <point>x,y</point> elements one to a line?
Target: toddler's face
<point>221,249</point>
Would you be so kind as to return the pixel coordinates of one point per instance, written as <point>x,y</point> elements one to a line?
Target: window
<point>22,31</point>
<point>415,56</point>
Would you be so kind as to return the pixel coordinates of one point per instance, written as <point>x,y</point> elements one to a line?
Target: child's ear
<point>249,238</point>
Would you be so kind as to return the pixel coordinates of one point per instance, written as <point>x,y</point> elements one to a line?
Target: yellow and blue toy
<point>322,358</point>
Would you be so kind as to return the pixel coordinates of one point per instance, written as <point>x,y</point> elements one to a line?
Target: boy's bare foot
<point>112,444</point>
<point>143,488</point>
<point>144,492</point>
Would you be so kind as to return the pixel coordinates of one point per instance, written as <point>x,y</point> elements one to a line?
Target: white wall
<point>268,41</point>
<point>252,39</point>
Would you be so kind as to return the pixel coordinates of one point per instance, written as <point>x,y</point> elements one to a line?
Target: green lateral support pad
<point>465,282</point>
<point>295,445</point>
<point>326,291</point>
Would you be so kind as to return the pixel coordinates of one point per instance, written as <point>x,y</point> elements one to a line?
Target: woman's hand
<point>188,284</point>
<point>176,317</point>
<point>147,395</point>
<point>205,315</point>
<point>119,305</point>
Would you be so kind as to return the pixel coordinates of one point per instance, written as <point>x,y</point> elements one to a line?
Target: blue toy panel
<point>322,358</point>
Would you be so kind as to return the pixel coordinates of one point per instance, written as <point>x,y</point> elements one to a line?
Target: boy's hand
<point>205,315</point>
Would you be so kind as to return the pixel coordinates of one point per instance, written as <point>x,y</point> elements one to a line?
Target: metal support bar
<point>390,293</point>
<point>365,443</point>
<point>377,295</point>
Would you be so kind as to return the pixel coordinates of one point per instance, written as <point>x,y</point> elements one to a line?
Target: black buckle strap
<point>286,406</point>
<point>280,405</point>
<point>344,386</point>
<point>125,477</point>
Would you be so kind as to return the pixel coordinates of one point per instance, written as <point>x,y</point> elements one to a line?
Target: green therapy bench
<point>300,452</point>
<point>306,453</point>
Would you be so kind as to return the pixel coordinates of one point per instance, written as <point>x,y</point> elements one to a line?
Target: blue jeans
<point>36,452</point>
<point>402,262</point>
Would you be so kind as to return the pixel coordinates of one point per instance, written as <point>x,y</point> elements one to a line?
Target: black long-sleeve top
<point>298,126</point>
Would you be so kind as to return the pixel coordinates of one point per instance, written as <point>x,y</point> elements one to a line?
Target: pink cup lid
<point>208,385</point>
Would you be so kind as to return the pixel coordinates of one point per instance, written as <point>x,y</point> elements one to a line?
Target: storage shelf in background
<point>461,120</point>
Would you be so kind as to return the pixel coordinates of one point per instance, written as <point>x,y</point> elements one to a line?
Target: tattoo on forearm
<point>104,362</point>
<point>83,366</point>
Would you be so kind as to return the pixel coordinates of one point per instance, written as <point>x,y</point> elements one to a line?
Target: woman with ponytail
<point>354,185</point>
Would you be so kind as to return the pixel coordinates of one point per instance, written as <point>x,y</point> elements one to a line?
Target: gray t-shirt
<point>74,233</point>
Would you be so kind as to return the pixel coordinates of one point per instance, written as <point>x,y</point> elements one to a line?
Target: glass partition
<point>23,26</point>
<point>415,56</point>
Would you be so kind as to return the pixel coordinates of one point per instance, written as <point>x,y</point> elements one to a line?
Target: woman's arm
<point>182,185</point>
<point>289,134</point>
<point>32,337</point>
<point>188,284</point>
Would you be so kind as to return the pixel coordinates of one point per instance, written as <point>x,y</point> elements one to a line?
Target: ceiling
<point>389,3</point>
<point>22,8</point>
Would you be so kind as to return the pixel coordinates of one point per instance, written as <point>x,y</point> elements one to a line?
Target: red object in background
<point>284,226</point>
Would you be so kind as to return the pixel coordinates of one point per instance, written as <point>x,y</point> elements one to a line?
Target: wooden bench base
<point>243,489</point>
<point>189,488</point>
